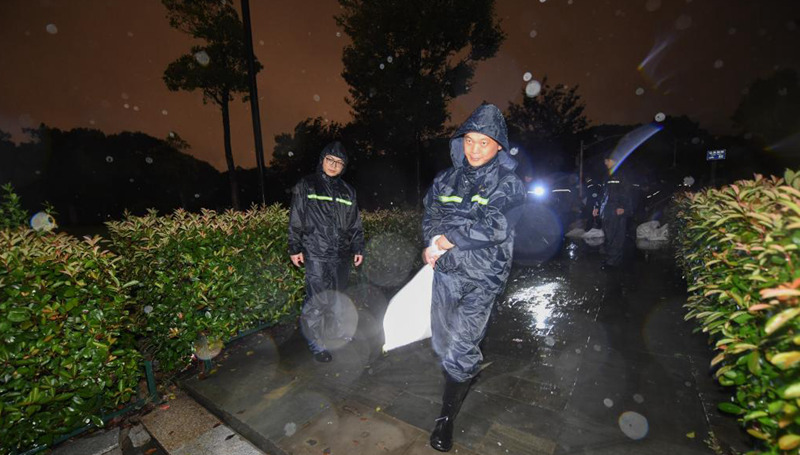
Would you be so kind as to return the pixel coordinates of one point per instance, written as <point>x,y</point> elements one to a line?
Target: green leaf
<point>18,315</point>
<point>730,408</point>
<point>777,321</point>
<point>785,360</point>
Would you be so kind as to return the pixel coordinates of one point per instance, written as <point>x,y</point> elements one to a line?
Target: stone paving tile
<point>353,430</point>
<point>181,422</point>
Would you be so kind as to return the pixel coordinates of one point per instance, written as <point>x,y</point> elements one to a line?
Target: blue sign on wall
<point>712,155</point>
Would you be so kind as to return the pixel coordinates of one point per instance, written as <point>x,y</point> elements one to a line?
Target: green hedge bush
<point>67,352</point>
<point>205,275</point>
<point>738,248</point>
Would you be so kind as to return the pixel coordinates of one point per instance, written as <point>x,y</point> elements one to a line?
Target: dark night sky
<point>99,63</point>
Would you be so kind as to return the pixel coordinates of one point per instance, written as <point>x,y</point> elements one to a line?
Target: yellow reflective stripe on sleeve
<point>343,201</point>
<point>480,200</point>
<point>320,198</point>
<point>450,199</point>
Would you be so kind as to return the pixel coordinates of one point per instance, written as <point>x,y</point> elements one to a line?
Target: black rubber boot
<point>454,394</point>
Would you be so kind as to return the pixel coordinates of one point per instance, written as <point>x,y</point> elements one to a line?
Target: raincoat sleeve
<point>495,223</point>
<point>296,217</point>
<point>356,231</point>
<point>432,216</point>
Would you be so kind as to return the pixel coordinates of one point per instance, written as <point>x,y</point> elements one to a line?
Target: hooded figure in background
<point>470,213</point>
<point>325,235</point>
<point>613,208</point>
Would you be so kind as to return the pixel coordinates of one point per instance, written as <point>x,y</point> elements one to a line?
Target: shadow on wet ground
<point>578,361</point>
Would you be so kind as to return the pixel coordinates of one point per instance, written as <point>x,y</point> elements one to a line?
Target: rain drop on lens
<point>51,29</point>
<point>109,159</point>
<point>533,88</point>
<point>202,58</point>
<point>660,117</point>
<point>148,160</point>
<point>527,76</point>
<point>639,91</point>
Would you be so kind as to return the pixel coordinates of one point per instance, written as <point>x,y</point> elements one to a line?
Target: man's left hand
<point>620,211</point>
<point>357,259</point>
<point>443,244</point>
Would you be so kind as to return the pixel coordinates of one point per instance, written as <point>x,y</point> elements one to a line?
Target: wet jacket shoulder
<point>476,208</point>
<point>324,220</point>
<point>616,194</point>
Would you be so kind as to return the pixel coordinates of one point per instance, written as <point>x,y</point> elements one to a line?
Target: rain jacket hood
<point>334,149</point>
<point>486,119</point>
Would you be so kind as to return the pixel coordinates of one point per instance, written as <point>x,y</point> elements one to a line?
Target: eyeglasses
<point>334,162</point>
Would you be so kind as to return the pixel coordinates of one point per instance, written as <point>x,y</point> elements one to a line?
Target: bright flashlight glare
<point>538,191</point>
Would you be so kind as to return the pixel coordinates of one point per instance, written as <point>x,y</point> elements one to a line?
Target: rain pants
<point>476,209</point>
<point>616,195</point>
<point>325,225</point>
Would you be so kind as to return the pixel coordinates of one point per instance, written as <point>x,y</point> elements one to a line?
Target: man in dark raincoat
<point>470,213</point>
<point>325,235</point>
<point>613,208</point>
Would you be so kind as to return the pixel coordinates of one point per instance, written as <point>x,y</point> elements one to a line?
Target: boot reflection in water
<point>454,394</point>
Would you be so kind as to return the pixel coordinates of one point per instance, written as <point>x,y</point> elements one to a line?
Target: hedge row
<point>77,320</point>
<point>205,276</point>
<point>67,348</point>
<point>738,248</point>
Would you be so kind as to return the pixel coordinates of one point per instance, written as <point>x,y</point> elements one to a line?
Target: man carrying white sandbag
<point>470,213</point>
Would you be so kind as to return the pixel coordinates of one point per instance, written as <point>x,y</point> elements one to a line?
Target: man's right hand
<point>297,259</point>
<point>595,212</point>
<point>429,257</point>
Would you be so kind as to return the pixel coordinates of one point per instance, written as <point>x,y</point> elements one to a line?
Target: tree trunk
<point>226,128</point>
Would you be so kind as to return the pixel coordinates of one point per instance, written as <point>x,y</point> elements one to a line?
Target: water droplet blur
<point>718,64</point>
<point>205,348</point>
<point>640,91</point>
<point>660,117</point>
<point>202,58</point>
<point>381,66</point>
<point>533,88</point>
<point>196,195</point>
<point>513,151</point>
<point>338,34</point>
<point>316,98</point>
<point>533,34</point>
<point>695,140</point>
<point>126,106</point>
<point>291,153</point>
<point>148,309</point>
<point>289,429</point>
<point>51,29</point>
<point>148,160</point>
<point>124,96</point>
<point>684,22</point>
<point>42,222</point>
<point>633,424</point>
<point>136,108</point>
<point>608,402</point>
<point>527,76</point>
<point>131,180</point>
<point>164,112</point>
<point>638,398</point>
<point>732,31</point>
<point>652,5</point>
<point>389,59</point>
<point>109,159</point>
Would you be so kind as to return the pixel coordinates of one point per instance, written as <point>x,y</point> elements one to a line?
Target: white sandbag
<point>594,237</point>
<point>651,230</point>
<point>576,233</point>
<point>408,316</point>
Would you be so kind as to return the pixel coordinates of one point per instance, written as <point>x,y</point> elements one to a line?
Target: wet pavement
<point>577,361</point>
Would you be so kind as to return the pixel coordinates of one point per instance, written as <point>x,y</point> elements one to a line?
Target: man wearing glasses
<point>325,235</point>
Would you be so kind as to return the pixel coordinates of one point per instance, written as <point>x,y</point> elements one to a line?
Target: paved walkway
<point>579,361</point>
